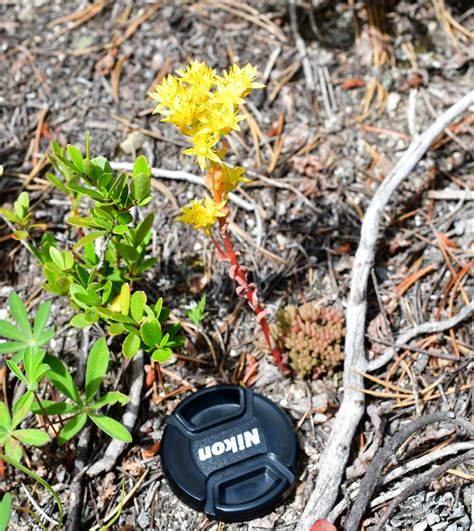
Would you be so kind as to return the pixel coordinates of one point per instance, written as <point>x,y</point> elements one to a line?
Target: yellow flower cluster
<point>202,213</point>
<point>204,107</point>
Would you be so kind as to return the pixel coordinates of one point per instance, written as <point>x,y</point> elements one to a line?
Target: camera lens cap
<point>230,453</point>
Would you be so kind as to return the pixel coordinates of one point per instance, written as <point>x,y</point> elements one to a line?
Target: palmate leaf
<point>109,399</point>
<point>111,427</point>
<point>53,408</point>
<point>10,347</point>
<point>9,331</point>
<point>5,511</point>
<point>19,313</point>
<point>32,436</point>
<point>41,318</point>
<point>71,428</point>
<point>22,407</point>
<point>62,379</point>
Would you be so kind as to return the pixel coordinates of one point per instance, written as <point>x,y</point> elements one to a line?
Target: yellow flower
<point>204,106</point>
<point>202,213</point>
<point>198,74</point>
<point>202,149</point>
<point>232,176</point>
<point>243,79</point>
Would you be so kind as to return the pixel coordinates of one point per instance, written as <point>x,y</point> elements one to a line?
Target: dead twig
<point>375,470</point>
<point>336,453</point>
<point>399,472</point>
<point>421,481</point>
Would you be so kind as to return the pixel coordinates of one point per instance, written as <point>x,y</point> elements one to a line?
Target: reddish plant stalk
<point>245,289</point>
<point>237,272</point>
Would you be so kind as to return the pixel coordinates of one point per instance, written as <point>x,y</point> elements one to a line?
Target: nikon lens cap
<point>230,453</point>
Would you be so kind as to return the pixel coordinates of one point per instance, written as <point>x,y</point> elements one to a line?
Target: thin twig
<point>431,327</point>
<point>399,472</point>
<point>375,470</point>
<point>421,481</point>
<point>336,453</point>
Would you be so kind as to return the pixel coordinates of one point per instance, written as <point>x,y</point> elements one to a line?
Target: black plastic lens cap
<point>230,453</point>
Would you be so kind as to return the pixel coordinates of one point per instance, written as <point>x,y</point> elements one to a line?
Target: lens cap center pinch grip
<point>230,453</point>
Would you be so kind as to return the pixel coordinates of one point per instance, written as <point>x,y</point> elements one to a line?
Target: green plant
<point>82,408</point>
<point>99,282</point>
<point>204,106</point>
<point>310,337</point>
<point>5,511</point>
<point>31,364</point>
<point>198,313</point>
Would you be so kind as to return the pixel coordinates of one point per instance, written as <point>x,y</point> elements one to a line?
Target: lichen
<point>311,338</point>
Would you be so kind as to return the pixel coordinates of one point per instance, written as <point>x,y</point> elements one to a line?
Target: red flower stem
<point>240,277</point>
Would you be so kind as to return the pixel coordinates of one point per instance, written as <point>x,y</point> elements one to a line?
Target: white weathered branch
<point>335,456</point>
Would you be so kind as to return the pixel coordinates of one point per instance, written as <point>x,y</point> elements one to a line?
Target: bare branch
<point>336,453</point>
<point>421,481</point>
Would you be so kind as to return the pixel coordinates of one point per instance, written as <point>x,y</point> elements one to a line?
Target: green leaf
<point>53,408</point>
<point>131,345</point>
<point>113,316</point>
<point>86,191</point>
<point>97,364</point>
<point>124,299</point>
<point>140,187</point>
<point>62,379</point>
<point>82,297</point>
<point>111,427</point>
<point>124,218</point>
<point>41,318</point>
<point>57,257</point>
<point>71,428</point>
<point>82,320</point>
<point>143,229</point>
<point>116,329</point>
<point>8,214</point>
<point>127,252</point>
<point>19,313</point>
<point>137,305</point>
<point>141,166</point>
<point>9,331</point>
<point>68,258</point>
<point>158,306</point>
<point>5,511</point>
<point>5,419</point>
<point>13,449</point>
<point>162,354</point>
<point>22,407</point>
<point>57,182</point>
<point>151,332</point>
<point>88,238</point>
<point>9,347</point>
<point>109,399</point>
<point>120,229</point>
<point>88,145</point>
<point>32,436</point>
<point>16,370</point>
<point>76,157</point>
